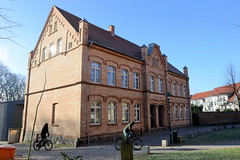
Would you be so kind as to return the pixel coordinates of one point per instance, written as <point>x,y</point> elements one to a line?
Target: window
<point>55,26</point>
<point>135,80</point>
<point>152,83</point>
<point>44,53</point>
<point>174,89</point>
<point>112,112</point>
<point>179,90</point>
<point>160,85</point>
<point>50,29</point>
<point>95,112</point>
<point>184,91</point>
<point>70,45</point>
<point>137,113</point>
<point>54,113</point>
<point>125,113</point>
<point>176,112</point>
<point>59,45</point>
<point>95,72</point>
<point>52,50</point>
<point>125,78</point>
<point>111,75</point>
<point>181,113</point>
<point>186,111</point>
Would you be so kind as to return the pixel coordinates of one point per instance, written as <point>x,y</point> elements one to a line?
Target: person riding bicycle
<point>44,133</point>
<point>127,131</point>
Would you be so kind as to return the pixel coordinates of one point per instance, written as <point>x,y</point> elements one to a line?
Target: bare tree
<point>7,25</point>
<point>232,79</point>
<point>12,86</point>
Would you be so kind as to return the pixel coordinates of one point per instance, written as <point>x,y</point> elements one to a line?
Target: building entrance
<point>153,116</point>
<point>161,115</point>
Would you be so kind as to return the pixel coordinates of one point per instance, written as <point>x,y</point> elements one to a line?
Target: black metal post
<point>169,119</point>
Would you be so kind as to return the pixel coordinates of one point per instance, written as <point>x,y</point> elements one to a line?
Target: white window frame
<point>136,80</point>
<point>179,90</point>
<point>137,112</point>
<point>52,50</point>
<point>59,45</point>
<point>124,78</point>
<point>125,112</point>
<point>111,75</point>
<point>152,84</point>
<point>174,89</point>
<point>176,112</point>
<point>160,85</point>
<point>95,72</point>
<point>44,51</point>
<point>95,113</point>
<point>112,112</point>
<point>181,113</point>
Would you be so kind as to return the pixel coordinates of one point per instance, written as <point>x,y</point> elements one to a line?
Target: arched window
<point>137,113</point>
<point>112,112</point>
<point>125,112</point>
<point>95,112</point>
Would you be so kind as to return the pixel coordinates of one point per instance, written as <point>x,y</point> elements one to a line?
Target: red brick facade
<point>73,82</point>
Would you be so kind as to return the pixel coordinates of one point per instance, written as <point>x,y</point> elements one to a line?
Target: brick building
<point>90,82</point>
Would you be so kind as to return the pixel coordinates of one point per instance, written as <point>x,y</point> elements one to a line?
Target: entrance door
<point>153,116</point>
<point>161,115</point>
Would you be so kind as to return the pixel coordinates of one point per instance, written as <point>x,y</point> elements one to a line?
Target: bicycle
<point>46,143</point>
<point>136,142</point>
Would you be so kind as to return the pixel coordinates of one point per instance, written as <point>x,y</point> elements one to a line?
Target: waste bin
<point>7,152</point>
<point>175,136</point>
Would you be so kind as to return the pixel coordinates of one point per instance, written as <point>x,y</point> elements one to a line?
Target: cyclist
<point>44,133</point>
<point>127,131</point>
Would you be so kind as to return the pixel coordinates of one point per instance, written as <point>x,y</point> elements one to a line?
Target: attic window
<point>50,29</point>
<point>70,45</point>
<point>55,26</point>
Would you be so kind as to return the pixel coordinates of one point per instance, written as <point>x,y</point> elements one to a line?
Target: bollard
<point>190,135</point>
<point>126,150</point>
<point>146,149</point>
<point>180,139</point>
<point>164,143</point>
<point>200,132</point>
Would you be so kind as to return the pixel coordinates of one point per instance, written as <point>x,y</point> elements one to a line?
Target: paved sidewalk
<point>107,151</point>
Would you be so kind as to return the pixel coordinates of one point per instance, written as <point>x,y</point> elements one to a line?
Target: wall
<point>213,118</point>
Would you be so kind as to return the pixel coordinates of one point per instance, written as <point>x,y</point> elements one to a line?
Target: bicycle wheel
<point>118,143</point>
<point>137,144</point>
<point>48,145</point>
<point>36,145</point>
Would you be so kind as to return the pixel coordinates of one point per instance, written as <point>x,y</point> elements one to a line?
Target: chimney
<point>144,51</point>
<point>185,71</point>
<point>111,29</point>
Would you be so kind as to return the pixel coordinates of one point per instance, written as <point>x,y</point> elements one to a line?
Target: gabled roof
<point>227,90</point>
<point>173,69</point>
<point>104,38</point>
<point>201,95</point>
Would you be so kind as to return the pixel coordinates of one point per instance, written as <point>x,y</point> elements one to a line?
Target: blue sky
<point>199,34</point>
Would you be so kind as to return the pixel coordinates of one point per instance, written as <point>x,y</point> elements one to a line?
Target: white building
<point>216,100</point>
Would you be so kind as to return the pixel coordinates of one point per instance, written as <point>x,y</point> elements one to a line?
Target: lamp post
<point>169,117</point>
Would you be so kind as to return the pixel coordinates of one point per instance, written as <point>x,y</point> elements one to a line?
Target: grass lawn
<point>213,137</point>
<point>220,154</point>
